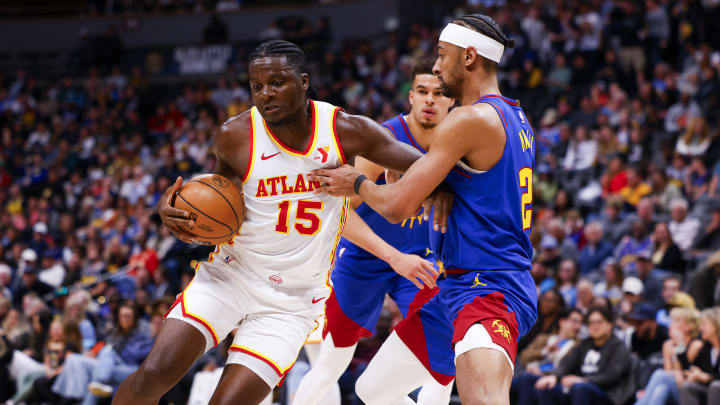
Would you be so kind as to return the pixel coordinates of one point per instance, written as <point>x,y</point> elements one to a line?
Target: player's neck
<point>477,87</point>
<point>295,130</point>
<point>419,133</point>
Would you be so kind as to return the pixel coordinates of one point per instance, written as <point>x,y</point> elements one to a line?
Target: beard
<point>449,90</point>
<point>427,124</point>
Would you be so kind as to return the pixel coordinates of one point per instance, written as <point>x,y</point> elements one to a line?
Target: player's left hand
<point>338,182</point>
<point>416,269</point>
<point>442,201</point>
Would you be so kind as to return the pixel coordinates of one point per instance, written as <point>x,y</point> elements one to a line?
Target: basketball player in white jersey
<point>270,282</point>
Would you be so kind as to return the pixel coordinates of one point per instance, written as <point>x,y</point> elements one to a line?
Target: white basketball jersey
<point>289,235</point>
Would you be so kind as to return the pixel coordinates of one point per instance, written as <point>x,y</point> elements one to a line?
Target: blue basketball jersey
<point>409,236</point>
<point>489,225</point>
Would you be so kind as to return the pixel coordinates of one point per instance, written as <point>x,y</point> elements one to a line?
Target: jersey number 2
<point>526,179</point>
<point>304,213</point>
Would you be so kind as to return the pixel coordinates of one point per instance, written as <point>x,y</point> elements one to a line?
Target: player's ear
<point>305,81</point>
<point>411,95</point>
<point>470,56</point>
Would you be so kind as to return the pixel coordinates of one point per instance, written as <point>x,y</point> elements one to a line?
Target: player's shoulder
<point>476,114</point>
<point>352,124</point>
<point>235,127</point>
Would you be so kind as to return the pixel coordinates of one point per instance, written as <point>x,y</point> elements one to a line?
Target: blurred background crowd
<point>624,98</point>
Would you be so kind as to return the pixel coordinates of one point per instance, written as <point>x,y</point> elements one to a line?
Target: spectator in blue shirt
<point>595,251</point>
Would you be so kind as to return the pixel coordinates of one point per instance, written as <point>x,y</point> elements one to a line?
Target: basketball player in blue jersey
<point>360,279</point>
<point>485,150</point>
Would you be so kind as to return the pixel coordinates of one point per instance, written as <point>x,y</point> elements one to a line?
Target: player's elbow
<point>398,212</point>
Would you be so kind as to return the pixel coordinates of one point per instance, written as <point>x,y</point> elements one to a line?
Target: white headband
<point>465,38</point>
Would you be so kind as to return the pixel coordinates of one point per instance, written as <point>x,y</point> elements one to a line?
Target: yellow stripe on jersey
<point>336,138</point>
<point>251,160</point>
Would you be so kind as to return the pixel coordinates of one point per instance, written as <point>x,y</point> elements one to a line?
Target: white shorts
<point>316,335</point>
<point>477,337</point>
<point>272,323</point>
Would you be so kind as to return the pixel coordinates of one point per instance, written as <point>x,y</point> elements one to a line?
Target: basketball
<point>216,205</point>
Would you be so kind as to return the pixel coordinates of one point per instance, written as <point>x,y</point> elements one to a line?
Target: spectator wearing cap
<point>648,337</point>
<point>549,252</point>
<point>29,281</point>
<point>680,352</point>
<point>615,226</point>
<point>595,251</point>
<point>632,288</point>
<point>636,188</point>
<point>666,254</point>
<point>704,284</point>
<point>596,371</point>
<point>568,247</point>
<point>682,227</point>
<point>702,384</point>
<point>651,280</point>
<point>39,238</point>
<point>53,272</point>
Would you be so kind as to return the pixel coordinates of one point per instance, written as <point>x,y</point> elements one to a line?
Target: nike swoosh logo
<point>316,300</point>
<point>263,157</point>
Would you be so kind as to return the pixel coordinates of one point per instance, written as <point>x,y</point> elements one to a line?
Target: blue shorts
<point>359,289</point>
<point>504,302</point>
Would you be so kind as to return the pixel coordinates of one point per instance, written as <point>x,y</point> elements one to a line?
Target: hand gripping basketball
<point>207,209</point>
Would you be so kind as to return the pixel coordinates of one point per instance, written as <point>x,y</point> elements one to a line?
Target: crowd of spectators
<point>624,98</point>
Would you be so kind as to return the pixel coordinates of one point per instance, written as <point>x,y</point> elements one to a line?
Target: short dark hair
<point>281,48</point>
<point>422,66</point>
<point>605,312</point>
<point>487,26</point>
<point>566,312</point>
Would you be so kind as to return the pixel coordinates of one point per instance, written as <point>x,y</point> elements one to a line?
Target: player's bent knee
<point>149,381</point>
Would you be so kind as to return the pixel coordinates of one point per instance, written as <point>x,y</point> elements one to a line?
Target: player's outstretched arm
<point>465,129</point>
<point>414,268</point>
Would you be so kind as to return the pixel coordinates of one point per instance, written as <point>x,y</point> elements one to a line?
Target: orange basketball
<point>216,205</point>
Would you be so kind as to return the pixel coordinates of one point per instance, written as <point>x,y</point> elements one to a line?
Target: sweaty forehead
<point>267,66</point>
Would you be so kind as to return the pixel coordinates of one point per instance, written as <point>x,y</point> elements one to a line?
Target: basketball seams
<point>202,212</point>
<point>237,220</point>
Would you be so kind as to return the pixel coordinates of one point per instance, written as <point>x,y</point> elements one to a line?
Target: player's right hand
<point>175,219</point>
<point>416,269</point>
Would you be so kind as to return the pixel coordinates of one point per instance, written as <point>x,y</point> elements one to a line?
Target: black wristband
<point>358,183</point>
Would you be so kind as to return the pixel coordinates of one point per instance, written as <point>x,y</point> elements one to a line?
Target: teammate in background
<point>270,281</point>
<point>361,280</point>
<point>485,150</point>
